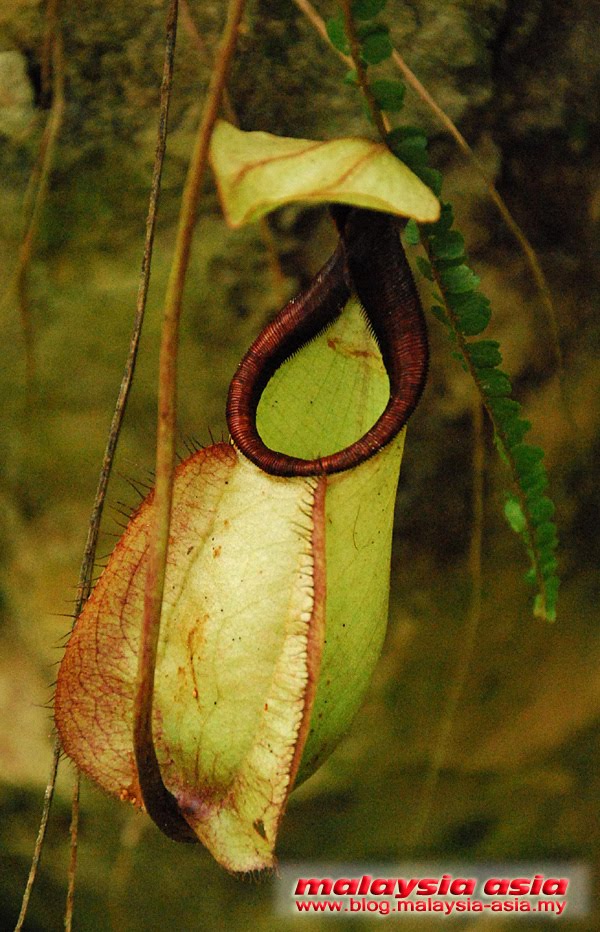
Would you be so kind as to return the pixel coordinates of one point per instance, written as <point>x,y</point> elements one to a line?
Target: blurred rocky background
<point>521,777</point>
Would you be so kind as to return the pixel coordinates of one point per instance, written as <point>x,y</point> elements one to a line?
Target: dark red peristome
<point>370,257</point>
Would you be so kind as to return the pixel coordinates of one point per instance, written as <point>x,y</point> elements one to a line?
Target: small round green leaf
<point>376,46</point>
<point>412,235</point>
<point>337,34</point>
<point>367,9</point>
<point>459,279</point>
<point>448,245</point>
<point>389,95</point>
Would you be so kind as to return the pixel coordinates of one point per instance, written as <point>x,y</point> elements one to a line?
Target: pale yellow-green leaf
<point>257,172</point>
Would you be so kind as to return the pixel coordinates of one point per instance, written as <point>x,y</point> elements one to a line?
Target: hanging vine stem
<point>189,24</point>
<point>306,7</point>
<point>46,77</point>
<point>87,564</point>
<point>38,188</point>
<point>380,121</point>
<point>74,838</point>
<point>266,235</point>
<point>39,842</point>
<point>46,56</point>
<point>159,803</point>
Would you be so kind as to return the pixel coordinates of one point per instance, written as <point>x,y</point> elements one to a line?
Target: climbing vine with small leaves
<point>459,303</point>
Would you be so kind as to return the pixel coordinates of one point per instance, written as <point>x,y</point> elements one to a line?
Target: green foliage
<point>485,353</point>
<point>473,311</point>
<point>514,515</point>
<point>449,245</point>
<point>411,233</point>
<point>367,9</point>
<point>424,268</point>
<point>375,44</point>
<point>337,34</point>
<point>465,312</point>
<point>410,145</point>
<point>458,279</point>
<point>374,38</point>
<point>389,95</point>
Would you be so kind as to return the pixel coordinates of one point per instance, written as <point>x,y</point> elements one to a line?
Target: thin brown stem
<point>46,54</point>
<point>42,173</point>
<point>159,802</point>
<point>74,837</point>
<point>361,71</point>
<point>142,295</point>
<point>468,633</point>
<point>275,269</point>
<point>189,24</point>
<point>89,556</point>
<point>318,23</point>
<point>39,842</point>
